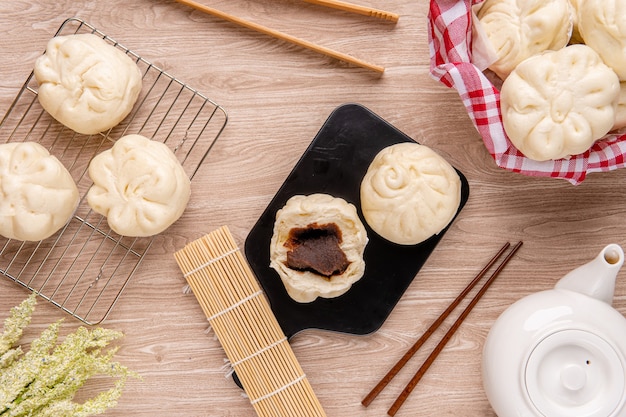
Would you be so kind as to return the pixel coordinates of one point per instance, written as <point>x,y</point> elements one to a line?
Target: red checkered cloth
<point>450,43</point>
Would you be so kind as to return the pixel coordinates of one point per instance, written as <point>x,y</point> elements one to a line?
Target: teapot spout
<point>596,278</point>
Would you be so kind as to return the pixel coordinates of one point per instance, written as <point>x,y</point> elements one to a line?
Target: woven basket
<point>450,41</point>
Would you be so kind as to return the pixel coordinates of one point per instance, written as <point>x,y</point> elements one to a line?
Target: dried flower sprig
<point>44,380</point>
<point>14,325</point>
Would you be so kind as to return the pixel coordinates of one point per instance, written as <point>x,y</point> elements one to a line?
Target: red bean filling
<point>316,248</point>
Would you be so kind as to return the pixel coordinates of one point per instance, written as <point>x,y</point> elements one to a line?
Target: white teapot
<point>561,352</point>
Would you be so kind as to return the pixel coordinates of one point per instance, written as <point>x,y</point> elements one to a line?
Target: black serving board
<point>335,163</point>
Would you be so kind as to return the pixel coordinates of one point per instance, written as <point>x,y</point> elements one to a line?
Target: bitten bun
<point>559,103</point>
<point>301,211</point>
<point>85,83</point>
<point>38,194</point>
<point>409,193</point>
<point>520,29</point>
<point>139,186</point>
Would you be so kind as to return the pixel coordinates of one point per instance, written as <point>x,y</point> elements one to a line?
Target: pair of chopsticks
<point>303,43</point>
<point>445,339</point>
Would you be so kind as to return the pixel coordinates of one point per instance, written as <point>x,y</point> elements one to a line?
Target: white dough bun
<point>557,104</point>
<point>601,26</point>
<point>38,194</point>
<point>519,29</point>
<point>301,211</point>
<point>409,193</point>
<point>620,113</point>
<point>86,83</point>
<point>139,186</point>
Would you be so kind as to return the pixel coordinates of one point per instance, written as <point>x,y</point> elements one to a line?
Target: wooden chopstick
<point>282,36</point>
<point>353,8</point>
<point>446,338</point>
<point>429,332</point>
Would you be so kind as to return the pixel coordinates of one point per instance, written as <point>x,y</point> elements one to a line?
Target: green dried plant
<point>43,381</point>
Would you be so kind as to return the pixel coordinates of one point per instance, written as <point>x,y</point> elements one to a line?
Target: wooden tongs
<point>336,4</point>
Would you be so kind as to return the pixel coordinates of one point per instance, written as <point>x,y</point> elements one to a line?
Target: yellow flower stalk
<point>14,325</point>
<point>44,380</point>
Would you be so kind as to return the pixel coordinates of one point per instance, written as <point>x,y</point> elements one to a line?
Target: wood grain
<point>277,96</point>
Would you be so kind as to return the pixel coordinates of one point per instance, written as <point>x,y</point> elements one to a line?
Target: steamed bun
<point>38,194</point>
<point>620,113</point>
<point>318,211</point>
<point>518,29</point>
<point>139,185</point>
<point>85,83</point>
<point>559,103</point>
<point>602,26</point>
<point>576,38</point>
<point>409,193</point>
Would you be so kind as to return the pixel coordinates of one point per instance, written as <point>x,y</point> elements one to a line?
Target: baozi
<point>409,193</point>
<point>602,27</point>
<point>520,29</point>
<point>139,186</point>
<point>620,112</point>
<point>557,104</point>
<point>38,194</point>
<point>307,224</point>
<point>86,83</point>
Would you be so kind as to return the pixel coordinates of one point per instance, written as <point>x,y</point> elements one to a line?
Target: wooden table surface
<point>277,96</point>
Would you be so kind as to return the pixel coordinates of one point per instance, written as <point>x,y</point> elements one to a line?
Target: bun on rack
<point>38,194</point>
<point>139,185</point>
<point>86,83</point>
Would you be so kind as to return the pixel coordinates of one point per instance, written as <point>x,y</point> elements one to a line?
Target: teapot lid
<point>575,373</point>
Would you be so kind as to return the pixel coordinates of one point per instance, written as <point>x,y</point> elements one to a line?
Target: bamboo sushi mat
<point>240,315</point>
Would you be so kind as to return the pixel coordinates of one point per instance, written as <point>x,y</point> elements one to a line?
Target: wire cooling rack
<point>84,268</point>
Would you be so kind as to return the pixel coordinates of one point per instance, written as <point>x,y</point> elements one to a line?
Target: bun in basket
<point>620,113</point>
<point>85,83</point>
<point>520,29</point>
<point>601,26</point>
<point>39,195</point>
<point>557,104</point>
